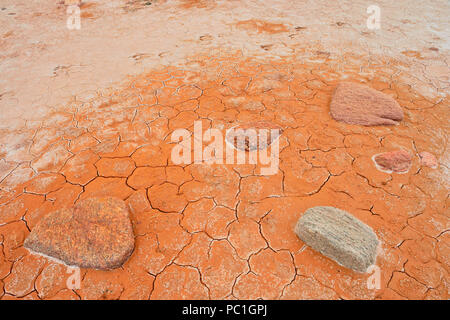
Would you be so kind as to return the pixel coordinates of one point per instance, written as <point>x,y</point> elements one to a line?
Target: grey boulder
<point>338,235</point>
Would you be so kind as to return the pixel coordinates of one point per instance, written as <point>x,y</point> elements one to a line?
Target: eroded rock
<point>398,161</point>
<point>358,104</point>
<point>338,235</point>
<point>95,233</point>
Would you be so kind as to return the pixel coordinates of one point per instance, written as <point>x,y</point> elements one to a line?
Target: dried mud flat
<point>89,113</point>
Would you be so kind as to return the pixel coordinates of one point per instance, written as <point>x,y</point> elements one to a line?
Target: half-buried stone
<point>358,104</point>
<point>338,235</point>
<point>251,136</point>
<point>95,233</point>
<point>398,161</point>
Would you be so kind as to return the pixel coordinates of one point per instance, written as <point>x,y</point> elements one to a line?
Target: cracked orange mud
<point>222,231</point>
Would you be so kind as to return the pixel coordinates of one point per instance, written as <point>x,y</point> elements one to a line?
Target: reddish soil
<point>225,231</point>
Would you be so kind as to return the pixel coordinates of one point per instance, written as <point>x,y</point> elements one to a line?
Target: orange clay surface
<point>223,231</point>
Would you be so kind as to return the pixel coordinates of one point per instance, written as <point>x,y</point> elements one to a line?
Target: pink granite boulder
<point>358,104</point>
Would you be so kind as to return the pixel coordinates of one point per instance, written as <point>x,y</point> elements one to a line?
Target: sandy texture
<point>339,236</point>
<point>358,104</point>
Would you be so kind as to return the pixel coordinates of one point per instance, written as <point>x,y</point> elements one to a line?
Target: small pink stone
<point>427,159</point>
<point>398,161</point>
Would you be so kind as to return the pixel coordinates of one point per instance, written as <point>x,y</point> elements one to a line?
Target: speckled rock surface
<point>339,236</point>
<point>398,161</point>
<point>95,233</point>
<point>359,104</point>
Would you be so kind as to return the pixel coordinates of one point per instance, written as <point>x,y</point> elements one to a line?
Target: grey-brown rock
<point>358,104</point>
<point>95,233</point>
<point>338,235</point>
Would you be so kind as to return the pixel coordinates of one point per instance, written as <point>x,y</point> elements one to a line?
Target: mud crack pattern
<point>223,231</point>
